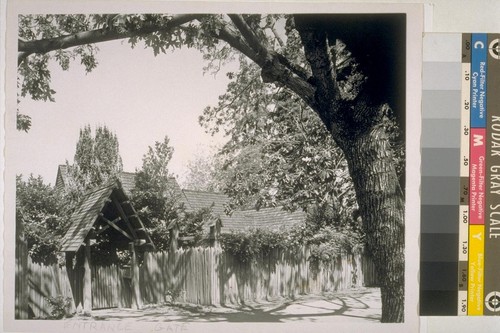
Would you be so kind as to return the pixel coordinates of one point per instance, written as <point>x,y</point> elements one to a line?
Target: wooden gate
<point>106,286</point>
<point>110,288</point>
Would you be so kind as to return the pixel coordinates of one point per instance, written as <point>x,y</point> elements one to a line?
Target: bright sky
<point>140,97</point>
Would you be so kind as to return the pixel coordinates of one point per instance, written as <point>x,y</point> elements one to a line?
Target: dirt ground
<point>362,305</point>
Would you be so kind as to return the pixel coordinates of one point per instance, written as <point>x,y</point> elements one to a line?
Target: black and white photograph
<point>181,167</point>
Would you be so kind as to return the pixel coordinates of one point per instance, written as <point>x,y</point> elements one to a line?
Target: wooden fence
<point>47,281</point>
<point>205,276</point>
<point>21,286</point>
<point>209,276</point>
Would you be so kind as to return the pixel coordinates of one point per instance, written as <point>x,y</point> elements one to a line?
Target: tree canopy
<point>302,64</point>
<point>157,198</point>
<point>97,159</point>
<point>39,211</point>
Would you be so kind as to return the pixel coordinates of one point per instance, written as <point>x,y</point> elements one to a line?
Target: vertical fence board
<point>205,276</point>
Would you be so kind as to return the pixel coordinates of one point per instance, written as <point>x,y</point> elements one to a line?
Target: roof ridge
<point>108,183</point>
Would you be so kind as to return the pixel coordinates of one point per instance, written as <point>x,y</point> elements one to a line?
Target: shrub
<point>60,306</point>
<point>326,242</point>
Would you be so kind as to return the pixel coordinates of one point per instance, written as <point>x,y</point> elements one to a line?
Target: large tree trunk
<point>381,204</point>
<point>357,126</point>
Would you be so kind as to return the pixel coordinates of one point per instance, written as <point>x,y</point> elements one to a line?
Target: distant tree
<point>39,211</point>
<point>205,173</point>
<point>156,200</point>
<point>97,159</point>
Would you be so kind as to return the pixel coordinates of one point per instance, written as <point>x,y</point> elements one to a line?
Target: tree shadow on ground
<point>309,309</point>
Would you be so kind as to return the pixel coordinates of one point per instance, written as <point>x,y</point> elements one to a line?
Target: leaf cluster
<point>158,200</point>
<point>60,306</point>
<point>204,173</point>
<point>278,152</point>
<point>40,215</point>
<point>326,235</point>
<point>155,199</point>
<point>34,78</point>
<point>97,159</point>
<point>249,244</point>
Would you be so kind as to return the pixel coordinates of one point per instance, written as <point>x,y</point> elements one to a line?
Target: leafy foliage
<point>204,173</point>
<point>23,122</point>
<point>154,196</point>
<point>158,200</point>
<point>325,234</point>
<point>60,307</point>
<point>279,152</point>
<point>33,74</point>
<point>97,159</point>
<point>247,245</point>
<point>191,224</point>
<point>38,210</point>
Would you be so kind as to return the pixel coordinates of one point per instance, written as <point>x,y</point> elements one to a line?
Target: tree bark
<point>357,127</point>
<point>381,206</point>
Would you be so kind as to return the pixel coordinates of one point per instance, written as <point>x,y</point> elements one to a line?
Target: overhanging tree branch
<point>273,70</point>
<point>252,40</point>
<point>322,63</point>
<point>25,48</point>
<point>237,43</point>
<point>262,52</point>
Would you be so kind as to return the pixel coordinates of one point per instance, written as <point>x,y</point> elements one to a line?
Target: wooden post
<point>87,280</point>
<point>69,270</point>
<point>136,290</point>
<point>174,236</point>
<point>217,233</point>
<point>22,275</point>
<point>214,235</point>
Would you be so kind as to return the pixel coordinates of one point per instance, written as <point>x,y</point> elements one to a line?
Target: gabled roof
<point>239,220</point>
<point>84,217</point>
<point>62,177</point>
<point>96,207</point>
<point>127,179</point>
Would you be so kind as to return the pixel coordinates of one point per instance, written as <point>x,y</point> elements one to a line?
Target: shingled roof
<point>62,177</point>
<point>265,218</point>
<point>272,218</point>
<point>102,208</point>
<point>127,179</point>
<point>196,200</point>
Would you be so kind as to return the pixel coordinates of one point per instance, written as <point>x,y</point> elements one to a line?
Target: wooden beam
<point>139,242</point>
<point>142,228</point>
<point>124,216</point>
<point>106,227</point>
<point>103,229</point>
<point>114,226</point>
